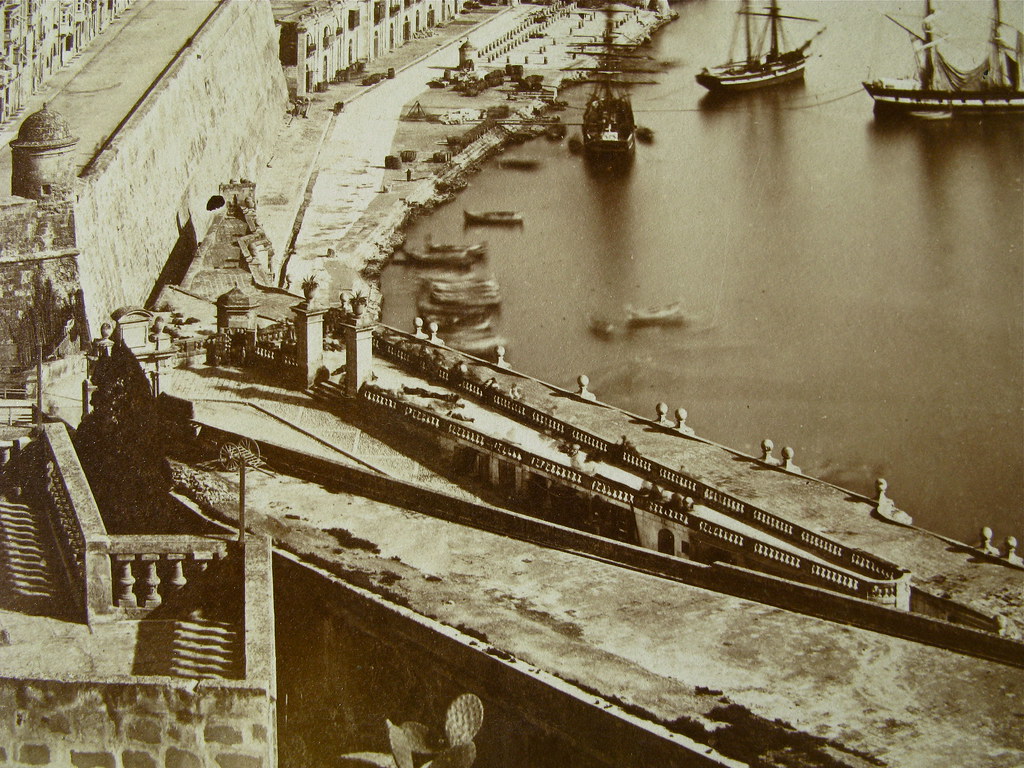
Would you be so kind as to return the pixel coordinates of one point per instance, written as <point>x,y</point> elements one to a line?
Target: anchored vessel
<point>609,131</point>
<point>993,86</point>
<point>760,69</point>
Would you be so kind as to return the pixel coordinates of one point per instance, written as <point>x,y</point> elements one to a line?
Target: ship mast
<point>773,13</point>
<point>998,72</point>
<point>928,69</point>
<point>746,21</point>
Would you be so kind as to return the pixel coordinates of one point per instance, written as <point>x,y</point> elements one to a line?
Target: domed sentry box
<point>41,157</point>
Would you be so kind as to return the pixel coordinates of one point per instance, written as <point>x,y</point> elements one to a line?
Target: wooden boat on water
<point>670,314</point>
<point>472,292</point>
<point>505,218</point>
<point>446,254</point>
<point>518,164</point>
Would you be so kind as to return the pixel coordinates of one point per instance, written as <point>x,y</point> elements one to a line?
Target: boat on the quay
<point>759,68</point>
<point>669,314</point>
<point>941,89</point>
<point>504,218</point>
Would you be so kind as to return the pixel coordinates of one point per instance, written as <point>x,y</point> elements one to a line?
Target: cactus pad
<point>401,749</point>
<point>465,716</point>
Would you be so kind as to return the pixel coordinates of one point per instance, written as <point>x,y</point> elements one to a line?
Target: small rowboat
<point>476,249</point>
<point>446,254</point>
<point>670,314</point>
<point>518,164</point>
<point>506,218</point>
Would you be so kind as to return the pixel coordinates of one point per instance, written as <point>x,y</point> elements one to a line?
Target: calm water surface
<point>854,290</point>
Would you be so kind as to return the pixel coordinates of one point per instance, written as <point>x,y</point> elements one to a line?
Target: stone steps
<point>32,578</point>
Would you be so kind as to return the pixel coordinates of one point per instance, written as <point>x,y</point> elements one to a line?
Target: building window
<point>666,542</point>
<point>353,19</point>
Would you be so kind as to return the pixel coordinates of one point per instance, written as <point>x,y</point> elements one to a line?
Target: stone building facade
<point>40,37</point>
<point>328,40</point>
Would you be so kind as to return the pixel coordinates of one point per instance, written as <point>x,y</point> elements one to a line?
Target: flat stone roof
<point>671,649</point>
<point>100,87</point>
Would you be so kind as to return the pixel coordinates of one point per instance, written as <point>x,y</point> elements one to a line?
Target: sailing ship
<point>993,86</point>
<point>760,69</point>
<point>609,130</point>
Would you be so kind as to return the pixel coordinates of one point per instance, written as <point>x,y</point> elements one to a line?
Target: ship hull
<point>892,100</point>
<point>731,79</point>
<point>609,149</point>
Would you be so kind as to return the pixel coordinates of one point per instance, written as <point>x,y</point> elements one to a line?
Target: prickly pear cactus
<point>455,750</point>
<point>464,718</point>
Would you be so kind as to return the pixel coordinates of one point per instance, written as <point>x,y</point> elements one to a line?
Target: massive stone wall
<point>211,117</point>
<point>135,724</point>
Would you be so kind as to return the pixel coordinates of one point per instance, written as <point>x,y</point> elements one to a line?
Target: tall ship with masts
<point>760,67</point>
<point>609,129</point>
<point>940,88</point>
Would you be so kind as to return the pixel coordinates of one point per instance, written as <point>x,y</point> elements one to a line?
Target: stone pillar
<point>309,341</point>
<point>358,354</point>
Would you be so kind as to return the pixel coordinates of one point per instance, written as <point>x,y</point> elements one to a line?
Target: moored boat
<point>669,314</point>
<point>940,88</point>
<point>507,218</point>
<point>760,69</point>
<point>518,164</point>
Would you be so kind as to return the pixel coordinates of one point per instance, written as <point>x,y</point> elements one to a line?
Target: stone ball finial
<point>767,446</point>
<point>688,503</point>
<point>500,352</point>
<point>881,486</point>
<point>433,326</point>
<point>680,424</point>
<point>106,330</point>
<point>1011,551</point>
<point>787,459</point>
<point>584,381</point>
<point>661,409</point>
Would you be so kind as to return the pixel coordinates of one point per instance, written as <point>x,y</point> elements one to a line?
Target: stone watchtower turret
<point>41,157</point>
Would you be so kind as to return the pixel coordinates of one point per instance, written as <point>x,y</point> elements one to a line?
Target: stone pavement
<point>236,400</point>
<point>102,84</point>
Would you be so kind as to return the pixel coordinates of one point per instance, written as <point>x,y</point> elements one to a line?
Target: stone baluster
<point>177,580</point>
<point>583,381</point>
<point>419,333</point>
<point>502,362</point>
<point>681,426</point>
<point>787,460</point>
<point>126,582</point>
<point>1011,551</point>
<point>986,545</point>
<point>661,412</point>
<point>151,598</point>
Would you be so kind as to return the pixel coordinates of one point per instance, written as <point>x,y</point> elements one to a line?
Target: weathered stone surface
<point>93,759</point>
<point>34,754</point>
<point>259,732</point>
<point>137,760</point>
<point>223,734</point>
<point>148,731</point>
<point>149,187</point>
<point>180,758</point>
<point>231,760</point>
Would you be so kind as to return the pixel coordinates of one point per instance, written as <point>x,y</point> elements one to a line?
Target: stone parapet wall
<point>210,117</point>
<point>136,724</point>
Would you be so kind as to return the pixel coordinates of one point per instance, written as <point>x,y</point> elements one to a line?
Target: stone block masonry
<point>100,724</point>
<point>211,116</point>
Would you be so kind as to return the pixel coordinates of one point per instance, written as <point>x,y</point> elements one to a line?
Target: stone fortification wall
<point>210,117</point>
<point>39,278</point>
<point>134,724</point>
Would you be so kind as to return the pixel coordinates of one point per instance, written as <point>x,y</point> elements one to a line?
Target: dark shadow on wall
<point>178,261</point>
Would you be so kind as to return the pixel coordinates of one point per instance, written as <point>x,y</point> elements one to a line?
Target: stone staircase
<point>32,578</point>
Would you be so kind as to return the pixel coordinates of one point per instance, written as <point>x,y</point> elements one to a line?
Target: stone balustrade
<point>408,351</point>
<point>150,569</point>
<point>878,588</point>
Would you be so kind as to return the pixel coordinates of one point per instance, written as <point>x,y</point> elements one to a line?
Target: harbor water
<point>852,289</point>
